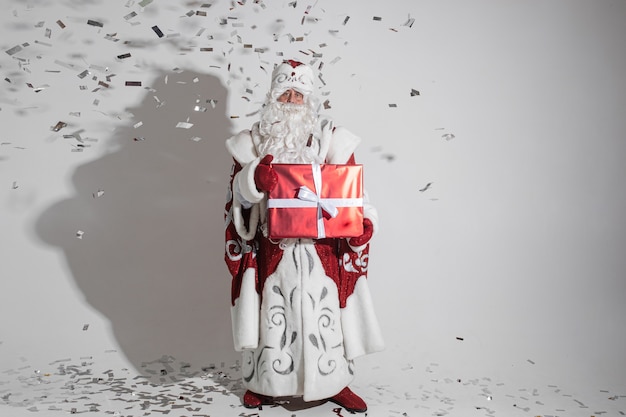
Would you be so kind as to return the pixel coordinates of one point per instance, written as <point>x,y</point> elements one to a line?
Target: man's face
<point>291,96</point>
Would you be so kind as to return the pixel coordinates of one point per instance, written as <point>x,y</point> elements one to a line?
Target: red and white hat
<point>292,74</point>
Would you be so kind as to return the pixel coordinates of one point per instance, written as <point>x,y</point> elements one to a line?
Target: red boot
<point>254,400</point>
<point>350,401</point>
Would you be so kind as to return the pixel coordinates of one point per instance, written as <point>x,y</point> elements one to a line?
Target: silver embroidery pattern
<point>301,340</point>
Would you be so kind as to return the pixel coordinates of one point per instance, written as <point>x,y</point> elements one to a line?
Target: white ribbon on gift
<point>308,198</point>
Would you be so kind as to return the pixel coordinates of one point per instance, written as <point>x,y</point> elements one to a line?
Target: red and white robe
<point>301,308</point>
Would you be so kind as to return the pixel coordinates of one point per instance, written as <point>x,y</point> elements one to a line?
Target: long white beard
<point>285,129</point>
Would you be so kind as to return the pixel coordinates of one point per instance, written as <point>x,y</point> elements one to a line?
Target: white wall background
<point>517,247</point>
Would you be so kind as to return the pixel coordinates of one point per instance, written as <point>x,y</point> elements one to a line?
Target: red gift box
<point>316,201</point>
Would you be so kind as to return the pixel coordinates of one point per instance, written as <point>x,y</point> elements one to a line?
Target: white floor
<point>494,141</point>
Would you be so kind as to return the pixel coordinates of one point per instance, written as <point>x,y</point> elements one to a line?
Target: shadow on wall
<point>151,257</point>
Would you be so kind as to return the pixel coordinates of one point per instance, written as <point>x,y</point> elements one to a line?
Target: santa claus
<point>301,308</point>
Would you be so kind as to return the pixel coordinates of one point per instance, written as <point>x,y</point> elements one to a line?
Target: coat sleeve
<point>362,334</point>
<point>240,257</point>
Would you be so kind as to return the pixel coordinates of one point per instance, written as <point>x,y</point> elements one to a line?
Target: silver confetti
<point>426,187</point>
<point>14,50</point>
<point>58,126</point>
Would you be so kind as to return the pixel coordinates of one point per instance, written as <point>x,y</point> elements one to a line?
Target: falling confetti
<point>38,89</point>
<point>14,50</point>
<point>58,126</point>
<point>426,187</point>
<point>409,22</point>
<point>157,31</point>
<point>94,23</point>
